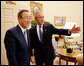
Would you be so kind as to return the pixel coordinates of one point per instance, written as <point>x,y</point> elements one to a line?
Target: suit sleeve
<point>60,31</point>
<point>10,45</point>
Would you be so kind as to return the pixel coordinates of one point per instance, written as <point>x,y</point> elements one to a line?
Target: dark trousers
<point>43,61</point>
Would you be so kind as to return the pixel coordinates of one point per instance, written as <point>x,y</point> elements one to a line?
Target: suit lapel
<point>20,34</point>
<point>44,29</point>
<point>36,33</point>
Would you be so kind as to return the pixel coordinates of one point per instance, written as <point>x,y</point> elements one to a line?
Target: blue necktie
<point>25,36</point>
<point>40,33</point>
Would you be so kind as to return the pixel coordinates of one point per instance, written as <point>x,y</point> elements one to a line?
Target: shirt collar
<point>39,25</point>
<point>22,28</point>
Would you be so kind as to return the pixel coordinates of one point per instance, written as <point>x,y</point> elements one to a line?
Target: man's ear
<point>19,19</point>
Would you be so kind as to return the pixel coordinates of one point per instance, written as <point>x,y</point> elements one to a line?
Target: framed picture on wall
<point>59,20</point>
<point>35,7</point>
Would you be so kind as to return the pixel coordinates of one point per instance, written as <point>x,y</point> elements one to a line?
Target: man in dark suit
<point>17,41</point>
<point>41,39</point>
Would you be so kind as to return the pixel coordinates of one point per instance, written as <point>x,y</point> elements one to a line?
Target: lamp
<point>57,39</point>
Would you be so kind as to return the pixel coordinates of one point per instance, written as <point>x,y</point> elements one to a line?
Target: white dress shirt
<point>38,30</point>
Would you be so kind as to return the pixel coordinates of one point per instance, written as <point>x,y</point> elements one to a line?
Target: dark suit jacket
<point>18,53</point>
<point>45,51</point>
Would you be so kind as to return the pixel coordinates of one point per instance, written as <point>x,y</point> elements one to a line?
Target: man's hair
<point>20,13</point>
<point>35,15</point>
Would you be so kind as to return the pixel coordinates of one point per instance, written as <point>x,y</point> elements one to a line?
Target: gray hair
<point>35,14</point>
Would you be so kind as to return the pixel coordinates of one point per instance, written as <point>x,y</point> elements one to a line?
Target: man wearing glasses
<point>17,41</point>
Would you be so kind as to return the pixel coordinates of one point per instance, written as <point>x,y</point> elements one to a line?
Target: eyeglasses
<point>26,17</point>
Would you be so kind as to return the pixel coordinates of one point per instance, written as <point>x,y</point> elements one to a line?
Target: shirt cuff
<point>69,32</point>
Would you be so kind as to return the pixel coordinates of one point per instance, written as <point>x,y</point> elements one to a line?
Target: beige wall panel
<point>4,28</point>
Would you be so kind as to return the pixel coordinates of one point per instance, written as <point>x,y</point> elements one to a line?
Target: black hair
<point>20,13</point>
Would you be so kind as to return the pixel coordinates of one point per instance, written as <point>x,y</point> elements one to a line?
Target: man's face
<point>40,18</point>
<point>25,20</point>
